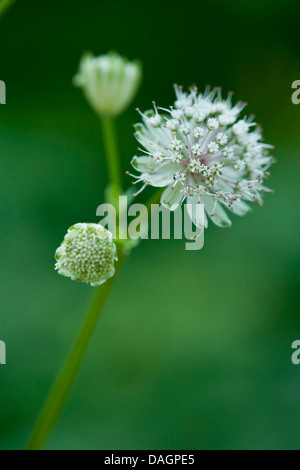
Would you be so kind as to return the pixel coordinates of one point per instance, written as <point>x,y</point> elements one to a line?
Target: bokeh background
<point>194,348</point>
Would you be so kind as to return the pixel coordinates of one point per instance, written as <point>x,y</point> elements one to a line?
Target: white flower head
<point>87,254</point>
<point>211,155</point>
<point>109,82</point>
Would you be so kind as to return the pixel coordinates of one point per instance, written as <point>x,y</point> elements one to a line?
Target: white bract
<point>87,254</point>
<point>109,82</point>
<point>202,152</point>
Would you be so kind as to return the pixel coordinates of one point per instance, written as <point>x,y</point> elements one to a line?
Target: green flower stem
<point>4,5</point>
<point>60,392</point>
<point>61,389</point>
<point>112,153</point>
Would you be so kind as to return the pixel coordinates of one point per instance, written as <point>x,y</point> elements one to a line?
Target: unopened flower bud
<point>109,82</point>
<point>87,254</point>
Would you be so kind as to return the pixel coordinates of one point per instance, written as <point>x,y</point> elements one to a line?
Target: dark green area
<point>194,348</point>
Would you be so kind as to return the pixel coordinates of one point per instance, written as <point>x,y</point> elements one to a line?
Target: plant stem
<point>4,5</point>
<point>60,392</point>
<point>61,389</point>
<point>112,153</point>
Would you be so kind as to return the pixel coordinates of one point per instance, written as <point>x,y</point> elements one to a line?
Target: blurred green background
<point>194,348</point>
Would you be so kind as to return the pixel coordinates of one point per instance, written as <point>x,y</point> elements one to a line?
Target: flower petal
<point>172,197</point>
<point>144,164</point>
<point>240,208</point>
<point>215,212</point>
<point>196,212</point>
<point>163,176</point>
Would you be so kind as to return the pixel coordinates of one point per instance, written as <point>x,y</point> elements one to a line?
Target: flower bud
<point>109,82</point>
<point>87,254</point>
